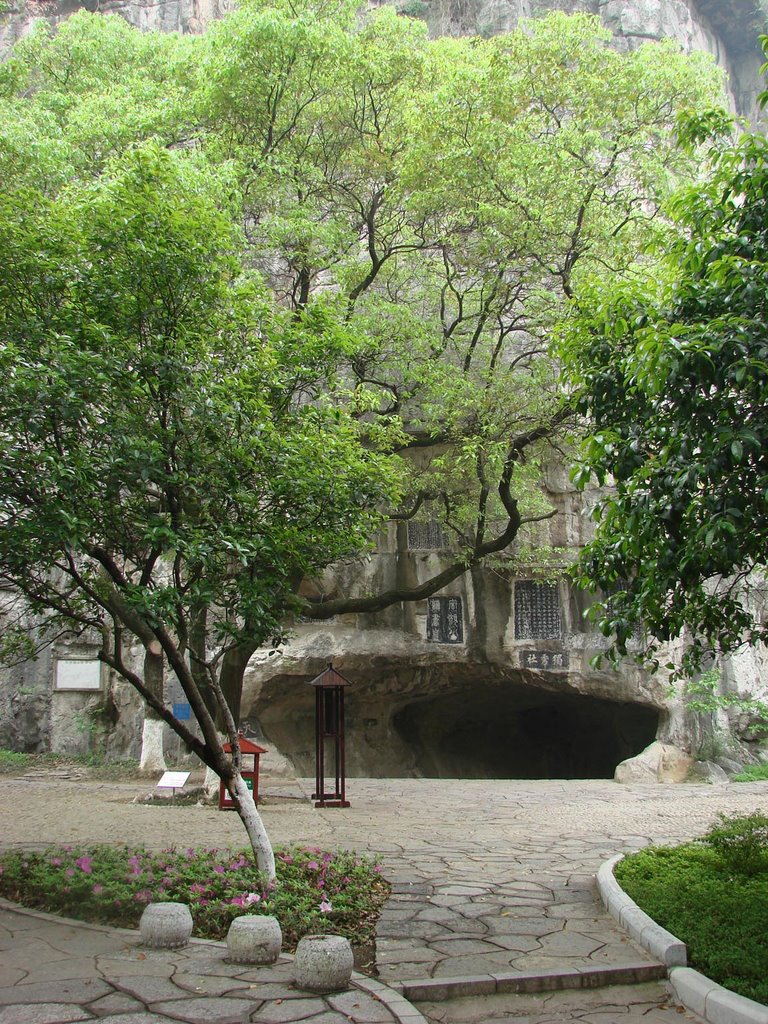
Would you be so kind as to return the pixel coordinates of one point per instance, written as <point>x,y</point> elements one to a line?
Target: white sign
<point>77,674</point>
<point>173,780</point>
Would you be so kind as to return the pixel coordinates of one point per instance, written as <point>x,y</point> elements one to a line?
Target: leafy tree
<point>449,194</point>
<point>74,97</point>
<point>173,460</point>
<point>671,367</point>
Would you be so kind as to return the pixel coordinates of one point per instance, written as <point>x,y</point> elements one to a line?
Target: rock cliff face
<point>726,28</point>
<point>492,677</point>
<point>189,16</point>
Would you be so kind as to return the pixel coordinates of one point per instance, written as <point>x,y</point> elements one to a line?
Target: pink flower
<point>251,898</point>
<point>55,861</point>
<point>313,865</point>
<point>69,872</point>
<point>97,889</point>
<point>218,869</point>
<point>286,858</point>
<point>325,907</point>
<point>196,887</point>
<point>378,868</point>
<point>84,863</point>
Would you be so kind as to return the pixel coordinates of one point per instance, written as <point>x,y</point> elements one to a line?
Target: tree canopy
<point>264,289</point>
<point>442,195</point>
<point>671,368</point>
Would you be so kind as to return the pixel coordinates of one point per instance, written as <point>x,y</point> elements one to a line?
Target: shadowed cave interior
<point>523,733</point>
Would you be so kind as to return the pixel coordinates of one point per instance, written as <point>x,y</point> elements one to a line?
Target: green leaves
<point>166,426</point>
<point>681,389</point>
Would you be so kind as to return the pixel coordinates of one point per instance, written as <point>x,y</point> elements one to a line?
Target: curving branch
<point>473,556</point>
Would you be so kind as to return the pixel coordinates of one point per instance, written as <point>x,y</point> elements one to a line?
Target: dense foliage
<point>337,893</point>
<point>727,875</point>
<point>672,371</point>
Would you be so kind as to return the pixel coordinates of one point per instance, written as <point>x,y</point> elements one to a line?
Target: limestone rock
<point>707,771</point>
<point>660,762</point>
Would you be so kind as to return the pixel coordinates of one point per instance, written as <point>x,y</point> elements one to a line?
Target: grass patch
<point>337,893</point>
<point>720,913</point>
<point>11,761</point>
<point>96,766</point>
<point>752,773</point>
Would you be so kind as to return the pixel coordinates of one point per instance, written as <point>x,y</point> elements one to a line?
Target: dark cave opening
<point>520,732</point>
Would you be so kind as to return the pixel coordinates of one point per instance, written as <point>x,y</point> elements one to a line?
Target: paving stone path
<point>54,973</point>
<point>491,878</point>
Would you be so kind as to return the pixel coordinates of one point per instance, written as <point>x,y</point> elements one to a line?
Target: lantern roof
<point>330,677</point>
<point>246,747</point>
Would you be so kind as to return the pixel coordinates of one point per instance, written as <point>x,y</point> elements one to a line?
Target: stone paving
<point>491,878</point>
<point>56,973</point>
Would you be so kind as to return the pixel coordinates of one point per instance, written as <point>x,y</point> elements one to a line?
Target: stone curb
<point>395,1001</point>
<point>713,1002</point>
<point>440,989</point>
<point>660,943</point>
<point>700,995</point>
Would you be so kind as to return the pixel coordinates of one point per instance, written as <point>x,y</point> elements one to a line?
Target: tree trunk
<point>254,826</point>
<point>233,668</point>
<point>152,759</point>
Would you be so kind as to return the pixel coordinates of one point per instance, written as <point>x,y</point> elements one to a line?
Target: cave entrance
<point>519,732</point>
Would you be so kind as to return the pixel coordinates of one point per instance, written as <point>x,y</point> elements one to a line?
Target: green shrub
<point>413,8</point>
<point>339,892</point>
<point>752,773</point>
<point>722,917</point>
<point>741,842</point>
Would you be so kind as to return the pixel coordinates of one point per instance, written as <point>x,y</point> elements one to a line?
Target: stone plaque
<point>547,660</point>
<point>445,621</point>
<point>537,611</point>
<point>77,674</point>
<point>425,535</point>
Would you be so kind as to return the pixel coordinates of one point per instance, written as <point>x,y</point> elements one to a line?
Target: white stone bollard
<point>254,939</point>
<point>323,963</point>
<point>165,925</point>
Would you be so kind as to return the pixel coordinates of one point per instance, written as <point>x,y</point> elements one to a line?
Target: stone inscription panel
<point>537,611</point>
<point>445,621</point>
<point>548,660</point>
<point>425,536</point>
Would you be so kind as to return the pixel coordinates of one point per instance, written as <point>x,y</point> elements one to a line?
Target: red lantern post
<point>329,731</point>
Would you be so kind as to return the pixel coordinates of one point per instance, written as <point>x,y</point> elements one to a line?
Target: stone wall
<point>493,677</point>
